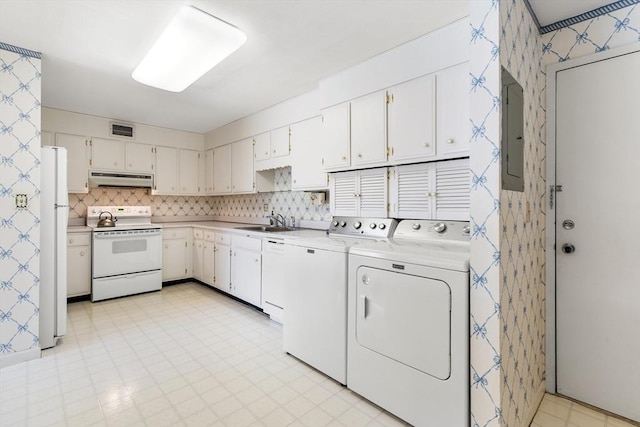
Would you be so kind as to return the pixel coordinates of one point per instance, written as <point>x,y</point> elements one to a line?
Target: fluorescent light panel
<point>191,45</point>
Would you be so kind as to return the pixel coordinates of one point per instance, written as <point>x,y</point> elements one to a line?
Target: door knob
<point>568,248</point>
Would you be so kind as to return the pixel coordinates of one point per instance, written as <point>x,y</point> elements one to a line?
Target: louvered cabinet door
<point>452,189</point>
<point>412,191</point>
<point>344,193</point>
<point>373,193</point>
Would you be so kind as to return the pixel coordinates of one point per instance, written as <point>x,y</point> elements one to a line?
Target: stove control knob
<point>372,226</point>
<point>382,226</point>
<point>440,227</point>
<point>416,226</point>
<point>343,223</point>
<point>357,225</point>
<point>336,223</point>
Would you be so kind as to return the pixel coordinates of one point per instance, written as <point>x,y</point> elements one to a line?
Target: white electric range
<point>127,258</point>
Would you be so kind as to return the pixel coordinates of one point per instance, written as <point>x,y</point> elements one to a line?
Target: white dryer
<point>408,322</point>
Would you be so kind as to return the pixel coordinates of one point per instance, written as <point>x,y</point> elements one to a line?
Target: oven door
<point>126,251</point>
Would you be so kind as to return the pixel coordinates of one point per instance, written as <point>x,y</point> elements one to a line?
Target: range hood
<point>120,179</point>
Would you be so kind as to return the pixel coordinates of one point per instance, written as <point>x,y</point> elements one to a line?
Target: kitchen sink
<point>264,228</point>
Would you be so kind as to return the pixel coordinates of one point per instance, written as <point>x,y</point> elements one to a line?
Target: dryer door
<point>406,318</point>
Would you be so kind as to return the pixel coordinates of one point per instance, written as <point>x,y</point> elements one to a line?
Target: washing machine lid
<point>446,255</point>
<point>329,243</point>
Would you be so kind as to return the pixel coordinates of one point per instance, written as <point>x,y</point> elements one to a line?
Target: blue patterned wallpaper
<point>485,219</point>
<point>613,29</point>
<point>522,240</point>
<point>19,228</point>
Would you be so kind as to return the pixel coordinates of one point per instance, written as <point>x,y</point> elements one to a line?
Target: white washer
<point>315,292</point>
<point>408,322</point>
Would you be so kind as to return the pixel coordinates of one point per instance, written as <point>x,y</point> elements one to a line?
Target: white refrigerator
<point>54,214</point>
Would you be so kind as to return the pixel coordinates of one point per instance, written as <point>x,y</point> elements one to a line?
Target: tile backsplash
<point>283,200</point>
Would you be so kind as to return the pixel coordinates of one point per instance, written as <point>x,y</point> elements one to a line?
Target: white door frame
<point>552,71</point>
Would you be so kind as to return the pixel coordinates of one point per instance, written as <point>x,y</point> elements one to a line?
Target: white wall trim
<point>19,357</point>
<point>552,71</point>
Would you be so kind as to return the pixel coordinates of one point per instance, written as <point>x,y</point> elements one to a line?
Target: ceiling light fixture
<point>192,44</point>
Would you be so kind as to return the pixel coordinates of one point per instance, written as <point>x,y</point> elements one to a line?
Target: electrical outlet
<point>22,201</point>
<point>265,207</point>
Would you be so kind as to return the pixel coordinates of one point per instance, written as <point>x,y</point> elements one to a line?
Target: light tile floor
<point>188,356</point>
<point>555,411</point>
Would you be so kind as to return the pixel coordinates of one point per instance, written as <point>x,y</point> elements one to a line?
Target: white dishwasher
<point>315,292</point>
<point>273,266</point>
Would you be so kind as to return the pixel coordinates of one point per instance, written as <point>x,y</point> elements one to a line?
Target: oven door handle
<point>125,235</point>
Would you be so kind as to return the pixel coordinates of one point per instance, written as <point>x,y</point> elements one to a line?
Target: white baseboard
<point>19,357</point>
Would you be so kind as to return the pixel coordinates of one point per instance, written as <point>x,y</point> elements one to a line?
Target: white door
<point>369,129</point>
<point>598,252</point>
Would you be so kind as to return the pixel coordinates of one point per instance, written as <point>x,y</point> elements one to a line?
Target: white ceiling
<point>90,47</point>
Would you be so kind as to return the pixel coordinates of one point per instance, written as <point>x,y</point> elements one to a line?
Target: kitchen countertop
<point>78,229</point>
<point>230,227</point>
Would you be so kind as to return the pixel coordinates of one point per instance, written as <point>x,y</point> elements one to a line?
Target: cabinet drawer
<point>78,239</point>
<point>223,238</point>
<point>248,243</point>
<point>178,233</point>
<point>209,236</point>
<point>198,233</point>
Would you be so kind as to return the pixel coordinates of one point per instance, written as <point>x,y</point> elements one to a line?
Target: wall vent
<point>122,130</point>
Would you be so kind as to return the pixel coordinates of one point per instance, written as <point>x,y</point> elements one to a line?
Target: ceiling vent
<point>122,130</point>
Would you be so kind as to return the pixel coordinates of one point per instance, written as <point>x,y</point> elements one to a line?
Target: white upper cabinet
<point>307,171</point>
<point>189,172</point>
<point>78,153</point>
<point>107,154</point>
<point>208,172</point>
<point>242,172</point>
<point>368,130</point>
<point>360,193</point>
<point>336,137</point>
<point>222,169</point>
<point>262,146</point>
<point>453,190</point>
<point>437,190</point>
<point>166,176</point>
<point>411,115</point>
<point>139,157</point>
<point>280,145</point>
<point>453,125</point>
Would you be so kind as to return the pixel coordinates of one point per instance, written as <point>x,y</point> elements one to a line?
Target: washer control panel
<point>365,227</point>
<point>433,230</point>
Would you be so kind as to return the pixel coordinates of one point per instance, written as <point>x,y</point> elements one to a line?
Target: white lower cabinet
<point>176,255</point>
<point>203,255</point>
<point>222,261</point>
<point>78,264</point>
<point>246,269</point>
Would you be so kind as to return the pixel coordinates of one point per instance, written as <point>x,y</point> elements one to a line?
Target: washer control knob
<point>416,226</point>
<point>440,227</point>
<point>382,226</point>
<point>372,226</point>
<point>357,225</point>
<point>466,230</point>
<point>343,223</point>
<point>336,223</point>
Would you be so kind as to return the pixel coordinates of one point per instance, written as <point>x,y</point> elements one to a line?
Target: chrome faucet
<point>277,220</point>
